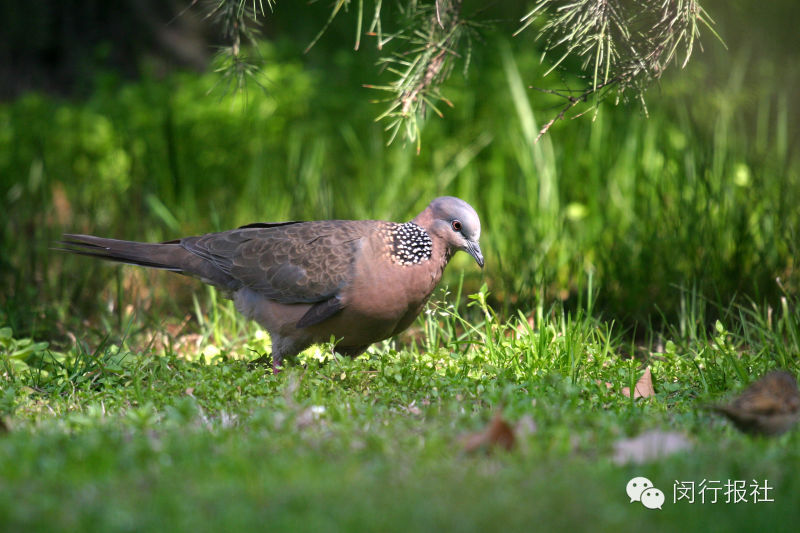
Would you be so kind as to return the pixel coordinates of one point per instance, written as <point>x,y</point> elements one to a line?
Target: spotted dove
<point>357,281</point>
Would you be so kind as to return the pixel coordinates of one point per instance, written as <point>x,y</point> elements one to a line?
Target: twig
<point>573,101</point>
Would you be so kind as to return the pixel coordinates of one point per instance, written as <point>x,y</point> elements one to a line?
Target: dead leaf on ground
<point>644,387</point>
<point>498,433</point>
<point>769,406</point>
<point>649,446</point>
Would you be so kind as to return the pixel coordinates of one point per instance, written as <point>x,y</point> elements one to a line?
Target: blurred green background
<point>110,124</point>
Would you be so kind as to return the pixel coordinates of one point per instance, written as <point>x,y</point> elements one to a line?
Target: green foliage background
<point>700,196</point>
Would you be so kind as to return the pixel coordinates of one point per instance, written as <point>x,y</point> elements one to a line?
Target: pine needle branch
<point>622,46</point>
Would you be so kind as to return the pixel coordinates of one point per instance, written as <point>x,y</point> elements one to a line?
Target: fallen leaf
<point>649,446</point>
<point>606,383</point>
<point>189,391</point>
<point>644,387</point>
<point>770,406</point>
<point>498,433</point>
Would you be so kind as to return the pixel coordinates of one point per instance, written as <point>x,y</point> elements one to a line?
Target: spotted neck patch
<point>409,244</point>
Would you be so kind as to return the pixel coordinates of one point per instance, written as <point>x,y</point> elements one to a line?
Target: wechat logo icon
<point>641,489</point>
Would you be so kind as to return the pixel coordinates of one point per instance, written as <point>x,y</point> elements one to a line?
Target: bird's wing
<point>302,262</point>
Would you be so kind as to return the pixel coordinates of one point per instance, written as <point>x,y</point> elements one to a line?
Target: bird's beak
<point>475,251</point>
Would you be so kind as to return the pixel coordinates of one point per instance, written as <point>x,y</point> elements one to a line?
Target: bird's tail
<point>154,255</point>
<point>166,256</point>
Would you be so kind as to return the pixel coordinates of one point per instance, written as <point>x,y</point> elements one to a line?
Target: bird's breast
<point>388,290</point>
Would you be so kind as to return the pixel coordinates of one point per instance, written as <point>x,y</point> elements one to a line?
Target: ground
<point>118,441</point>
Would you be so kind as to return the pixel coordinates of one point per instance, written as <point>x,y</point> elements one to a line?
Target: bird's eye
<point>456,225</point>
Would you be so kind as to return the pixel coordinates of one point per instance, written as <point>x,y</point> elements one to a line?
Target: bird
<point>770,406</point>
<point>355,281</point>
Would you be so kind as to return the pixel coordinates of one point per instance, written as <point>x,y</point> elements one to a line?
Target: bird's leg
<point>283,348</point>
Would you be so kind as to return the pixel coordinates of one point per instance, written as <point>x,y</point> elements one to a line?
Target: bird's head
<point>455,222</point>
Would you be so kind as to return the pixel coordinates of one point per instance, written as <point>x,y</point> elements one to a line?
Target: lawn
<point>116,440</point>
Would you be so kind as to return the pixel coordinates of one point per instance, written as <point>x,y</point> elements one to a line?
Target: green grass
<point>117,440</point>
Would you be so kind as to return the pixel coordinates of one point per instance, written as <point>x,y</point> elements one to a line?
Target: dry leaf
<point>608,385</point>
<point>497,433</point>
<point>649,446</point>
<point>644,387</point>
<point>770,406</point>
